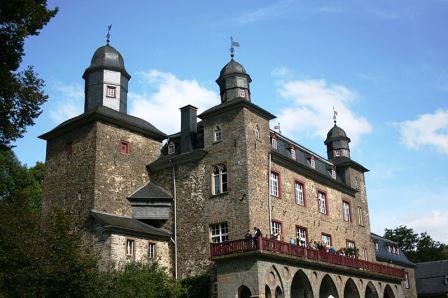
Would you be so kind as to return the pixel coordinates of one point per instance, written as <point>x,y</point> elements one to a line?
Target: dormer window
<point>293,152</point>
<point>313,162</point>
<point>333,173</point>
<point>217,134</point>
<point>274,142</point>
<point>257,132</point>
<point>171,148</point>
<point>242,93</point>
<point>111,91</point>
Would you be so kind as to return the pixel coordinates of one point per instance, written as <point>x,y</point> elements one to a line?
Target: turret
<point>233,82</point>
<point>337,143</point>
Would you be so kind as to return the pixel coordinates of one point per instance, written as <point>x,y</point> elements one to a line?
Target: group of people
<point>255,234</point>
<point>324,247</point>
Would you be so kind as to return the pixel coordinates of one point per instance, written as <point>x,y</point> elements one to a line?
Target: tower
<point>106,80</point>
<point>233,82</point>
<point>337,143</point>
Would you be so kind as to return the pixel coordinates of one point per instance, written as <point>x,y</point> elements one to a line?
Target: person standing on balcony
<point>257,232</point>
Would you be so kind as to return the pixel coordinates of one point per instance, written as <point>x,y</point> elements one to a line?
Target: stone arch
<point>280,280</point>
<point>388,292</point>
<point>350,289</point>
<point>328,288</point>
<point>279,293</point>
<point>371,291</point>
<point>267,292</point>
<point>301,286</point>
<point>244,292</point>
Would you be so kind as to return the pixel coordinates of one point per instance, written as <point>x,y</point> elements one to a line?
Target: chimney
<point>188,127</point>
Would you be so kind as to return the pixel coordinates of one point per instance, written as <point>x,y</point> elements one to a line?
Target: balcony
<point>283,248</point>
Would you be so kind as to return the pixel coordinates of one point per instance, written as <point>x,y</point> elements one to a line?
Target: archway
<point>301,286</point>
<point>267,292</point>
<point>279,293</point>
<point>328,288</point>
<point>244,292</point>
<point>388,293</point>
<point>350,289</point>
<point>371,291</point>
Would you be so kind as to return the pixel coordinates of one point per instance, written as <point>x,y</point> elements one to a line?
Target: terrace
<point>265,245</point>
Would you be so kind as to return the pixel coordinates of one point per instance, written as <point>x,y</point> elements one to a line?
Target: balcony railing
<point>265,244</point>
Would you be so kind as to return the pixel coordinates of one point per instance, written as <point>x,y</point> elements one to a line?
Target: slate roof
<point>151,191</point>
<point>107,57</point>
<point>432,278</point>
<point>108,115</point>
<point>236,103</point>
<point>231,68</point>
<point>335,133</point>
<point>383,255</point>
<point>128,225</point>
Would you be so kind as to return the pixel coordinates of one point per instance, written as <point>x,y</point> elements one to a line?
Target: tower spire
<point>108,34</point>
<point>232,45</point>
<point>334,115</point>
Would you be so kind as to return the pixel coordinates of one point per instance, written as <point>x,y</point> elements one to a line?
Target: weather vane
<point>334,115</point>
<point>232,45</point>
<point>108,34</point>
<point>278,128</point>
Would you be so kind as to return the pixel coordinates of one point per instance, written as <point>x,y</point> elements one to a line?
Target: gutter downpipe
<point>269,194</point>
<point>175,224</point>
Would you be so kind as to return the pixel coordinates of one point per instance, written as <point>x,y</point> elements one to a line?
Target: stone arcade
<point>189,202</point>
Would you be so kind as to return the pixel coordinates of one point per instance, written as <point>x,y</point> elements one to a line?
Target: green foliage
<point>351,252</point>
<point>21,93</point>
<point>138,280</point>
<point>418,248</point>
<point>196,286</point>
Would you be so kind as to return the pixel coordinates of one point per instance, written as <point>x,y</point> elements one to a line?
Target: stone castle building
<point>189,202</point>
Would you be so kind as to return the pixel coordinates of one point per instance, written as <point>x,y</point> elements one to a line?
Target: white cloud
<point>70,102</point>
<point>310,109</point>
<point>282,73</point>
<point>162,106</point>
<point>435,223</point>
<point>428,130</point>
<point>263,13</point>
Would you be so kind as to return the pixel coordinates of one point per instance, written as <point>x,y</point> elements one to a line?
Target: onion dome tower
<point>337,143</point>
<point>106,80</point>
<point>233,82</point>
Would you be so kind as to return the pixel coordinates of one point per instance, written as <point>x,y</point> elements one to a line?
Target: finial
<point>334,115</point>
<point>278,128</point>
<point>108,34</point>
<point>232,45</point>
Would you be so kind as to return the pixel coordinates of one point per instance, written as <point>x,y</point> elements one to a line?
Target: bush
<point>196,286</point>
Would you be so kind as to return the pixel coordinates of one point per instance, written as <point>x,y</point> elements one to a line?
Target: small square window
<point>219,232</point>
<point>350,244</point>
<point>171,148</point>
<point>111,91</point>
<point>242,93</point>
<point>151,250</point>
<point>326,239</point>
<point>130,247</point>
<point>124,147</point>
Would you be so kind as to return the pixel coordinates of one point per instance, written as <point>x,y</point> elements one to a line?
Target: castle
<point>190,202</point>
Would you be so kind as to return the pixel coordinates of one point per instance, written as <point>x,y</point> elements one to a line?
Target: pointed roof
<point>151,191</point>
<point>107,57</point>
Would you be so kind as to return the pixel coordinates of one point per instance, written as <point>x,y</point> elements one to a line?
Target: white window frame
<point>322,202</point>
<point>350,244</point>
<point>276,228</point>
<point>313,162</point>
<point>326,239</point>
<point>171,148</point>
<point>293,153</point>
<point>219,232</point>
<point>130,247</point>
<point>406,280</point>
<point>299,192</point>
<point>112,93</point>
<point>219,180</point>
<point>274,184</point>
<point>151,250</point>
<point>301,235</point>
<point>274,143</point>
<point>242,93</point>
<point>346,214</point>
<point>217,134</point>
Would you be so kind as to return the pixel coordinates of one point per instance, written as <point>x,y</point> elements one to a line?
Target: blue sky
<point>382,64</point>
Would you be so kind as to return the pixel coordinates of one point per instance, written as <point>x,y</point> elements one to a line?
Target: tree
<point>21,93</point>
<point>418,248</point>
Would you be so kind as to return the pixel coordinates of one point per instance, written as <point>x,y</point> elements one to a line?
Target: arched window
<point>219,179</point>
<point>217,134</point>
<point>171,148</point>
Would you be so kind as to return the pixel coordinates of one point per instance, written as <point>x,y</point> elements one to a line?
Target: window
<point>300,198</point>
<point>171,148</point>
<point>322,200</point>
<point>242,93</point>
<point>276,229</point>
<point>346,211</point>
<point>257,132</point>
<point>326,239</point>
<point>151,250</point>
<point>364,252</point>
<point>219,232</point>
<point>219,179</point>
<point>313,162</point>
<point>124,147</point>
<point>389,248</point>
<point>350,244</point>
<point>68,148</point>
<point>293,153</point>
<point>301,236</point>
<point>110,91</point>
<point>360,217</point>
<point>333,173</point>
<point>130,247</point>
<point>274,142</point>
<point>377,247</point>
<point>274,178</point>
<point>337,153</point>
<point>406,280</point>
<point>217,134</point>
